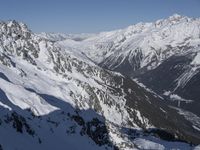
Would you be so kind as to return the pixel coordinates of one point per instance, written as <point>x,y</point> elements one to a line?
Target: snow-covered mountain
<point>142,45</point>
<point>53,95</point>
<point>61,36</point>
<point>164,55</point>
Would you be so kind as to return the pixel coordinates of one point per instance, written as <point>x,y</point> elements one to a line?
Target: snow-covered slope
<point>52,96</point>
<point>163,55</point>
<point>142,45</point>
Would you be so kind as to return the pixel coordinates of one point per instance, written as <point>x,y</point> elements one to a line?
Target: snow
<point>45,91</point>
<point>146,88</point>
<point>185,77</point>
<point>196,60</point>
<point>24,99</point>
<point>5,106</point>
<point>44,56</point>
<point>63,36</point>
<point>46,81</point>
<point>176,97</point>
<point>193,118</point>
<point>152,39</point>
<point>196,128</point>
<point>150,142</point>
<point>197,147</point>
<point>145,144</point>
<point>167,93</point>
<point>143,120</point>
<point>10,139</point>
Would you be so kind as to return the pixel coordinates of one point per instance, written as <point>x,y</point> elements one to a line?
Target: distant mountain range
<point>135,88</point>
<point>163,55</point>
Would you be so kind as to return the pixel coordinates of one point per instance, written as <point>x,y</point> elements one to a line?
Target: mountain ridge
<point>149,51</point>
<point>42,79</point>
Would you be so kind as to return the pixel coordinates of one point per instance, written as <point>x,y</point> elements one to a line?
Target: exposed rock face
<point>53,95</point>
<point>163,55</point>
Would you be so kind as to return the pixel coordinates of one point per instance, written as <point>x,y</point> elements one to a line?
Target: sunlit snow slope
<point>163,55</point>
<point>52,96</point>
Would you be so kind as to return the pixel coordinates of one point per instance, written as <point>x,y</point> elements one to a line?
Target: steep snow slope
<point>163,55</point>
<point>52,95</point>
<point>144,46</point>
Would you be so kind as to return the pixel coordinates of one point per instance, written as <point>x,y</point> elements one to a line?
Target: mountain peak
<point>176,16</point>
<point>14,28</point>
<point>14,23</point>
<point>11,23</point>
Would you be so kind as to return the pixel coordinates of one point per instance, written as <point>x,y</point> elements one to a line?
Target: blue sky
<point>84,16</point>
